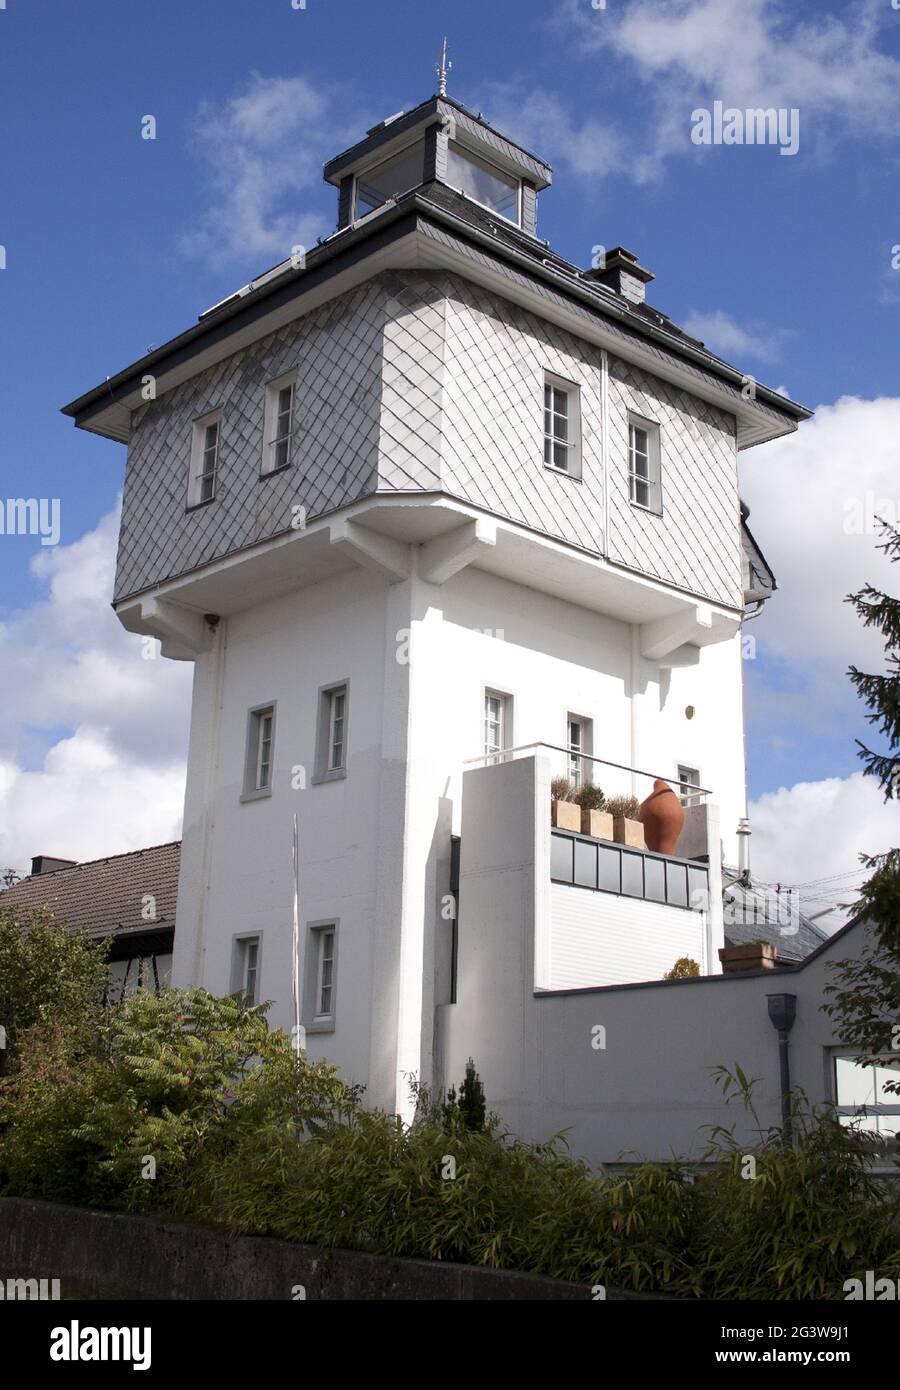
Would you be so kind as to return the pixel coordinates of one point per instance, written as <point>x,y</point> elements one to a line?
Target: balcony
<point>594,912</point>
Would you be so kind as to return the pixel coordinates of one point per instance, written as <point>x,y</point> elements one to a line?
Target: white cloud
<point>262,153</point>
<point>87,801</point>
<point>806,492</point>
<point>816,831</point>
<point>685,54</point>
<point>722,335</point>
<point>94,738</point>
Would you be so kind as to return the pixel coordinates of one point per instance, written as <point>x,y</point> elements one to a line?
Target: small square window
<point>204,465</point>
<point>644,474</point>
<point>258,761</point>
<point>332,731</point>
<point>279,424</point>
<point>689,780</point>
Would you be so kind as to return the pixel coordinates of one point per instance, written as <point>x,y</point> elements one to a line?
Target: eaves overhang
<point>416,233</point>
<point>390,136</point>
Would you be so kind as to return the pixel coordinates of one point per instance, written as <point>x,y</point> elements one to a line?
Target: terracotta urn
<point>662,816</point>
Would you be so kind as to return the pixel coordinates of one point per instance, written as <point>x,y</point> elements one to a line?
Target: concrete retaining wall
<point>103,1255</point>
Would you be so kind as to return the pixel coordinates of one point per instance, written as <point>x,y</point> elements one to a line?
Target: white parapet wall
<point>625,1070</point>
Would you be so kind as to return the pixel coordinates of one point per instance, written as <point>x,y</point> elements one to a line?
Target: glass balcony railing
<point>605,867</point>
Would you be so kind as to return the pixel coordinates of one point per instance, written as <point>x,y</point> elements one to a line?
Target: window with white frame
<point>861,1093</point>
<point>248,969</point>
<point>325,973</point>
<point>331,734</point>
<point>497,722</point>
<point>204,459</point>
<point>644,479</point>
<point>562,426</point>
<point>688,780</point>
<point>279,424</point>
<point>258,761</point>
<point>579,743</point>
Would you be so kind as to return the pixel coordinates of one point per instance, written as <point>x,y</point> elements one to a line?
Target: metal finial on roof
<point>442,67</point>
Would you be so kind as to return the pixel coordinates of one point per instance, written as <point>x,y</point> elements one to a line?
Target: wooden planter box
<point>628,832</point>
<point>758,956</point>
<point>598,824</point>
<point>565,815</point>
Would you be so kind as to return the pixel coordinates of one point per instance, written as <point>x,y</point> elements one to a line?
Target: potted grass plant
<point>595,818</point>
<point>627,829</point>
<point>565,813</point>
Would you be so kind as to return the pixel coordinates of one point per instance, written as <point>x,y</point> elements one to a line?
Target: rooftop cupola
<point>439,142</point>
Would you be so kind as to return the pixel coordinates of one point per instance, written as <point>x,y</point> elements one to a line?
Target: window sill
<point>321,1025</point>
<point>563,472</point>
<point>259,795</point>
<point>336,775</point>
<point>195,506</point>
<point>273,472</point>
<point>641,507</point>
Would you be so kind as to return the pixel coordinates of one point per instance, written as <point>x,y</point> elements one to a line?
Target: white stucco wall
<point>375,846</point>
<point>650,1088</point>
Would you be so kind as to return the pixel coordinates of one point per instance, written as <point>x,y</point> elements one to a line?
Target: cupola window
<point>388,179</point>
<point>483,182</point>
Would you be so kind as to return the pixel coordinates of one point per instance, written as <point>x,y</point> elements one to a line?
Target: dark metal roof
<point>756,905</point>
<point>105,897</point>
<point>428,111</point>
<point>436,209</point>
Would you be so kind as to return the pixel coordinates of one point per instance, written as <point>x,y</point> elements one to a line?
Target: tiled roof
<point>794,937</point>
<point>106,896</point>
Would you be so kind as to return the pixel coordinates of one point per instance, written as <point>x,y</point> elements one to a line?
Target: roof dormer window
<point>483,182</point>
<point>400,173</point>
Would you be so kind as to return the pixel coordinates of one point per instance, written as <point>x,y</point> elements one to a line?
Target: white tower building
<point>426,494</point>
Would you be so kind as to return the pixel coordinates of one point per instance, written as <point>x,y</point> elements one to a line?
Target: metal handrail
<point>573,753</point>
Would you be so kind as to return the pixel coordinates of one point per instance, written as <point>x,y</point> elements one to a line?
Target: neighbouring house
<point>439,516</point>
<point>128,898</point>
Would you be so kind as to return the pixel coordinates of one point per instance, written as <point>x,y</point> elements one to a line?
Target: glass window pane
<point>655,879</point>
<point>676,885</point>
<point>585,864</point>
<point>855,1084</point>
<point>483,182</point>
<point>633,875</point>
<point>698,883</point>
<point>389,179</point>
<point>609,868</point>
<point>561,858</point>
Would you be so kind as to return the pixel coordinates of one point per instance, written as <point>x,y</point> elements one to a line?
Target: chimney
<point>621,271</point>
<point>47,864</point>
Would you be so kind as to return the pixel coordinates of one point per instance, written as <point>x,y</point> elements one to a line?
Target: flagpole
<point>295,940</point>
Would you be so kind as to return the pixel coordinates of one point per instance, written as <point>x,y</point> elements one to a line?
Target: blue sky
<point>783,264</point>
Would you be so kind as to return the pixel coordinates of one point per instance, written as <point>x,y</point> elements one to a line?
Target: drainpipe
<point>782,1012</point>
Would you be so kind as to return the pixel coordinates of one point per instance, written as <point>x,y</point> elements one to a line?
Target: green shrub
<point>590,797</point>
<point>250,1137</point>
<point>685,968</point>
<point>49,974</point>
